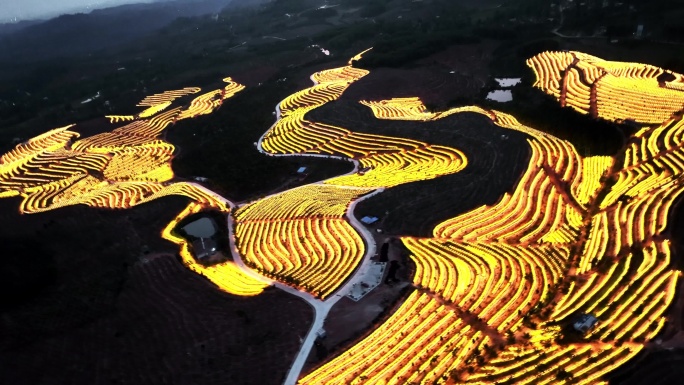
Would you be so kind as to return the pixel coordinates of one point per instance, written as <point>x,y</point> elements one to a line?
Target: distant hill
<point>8,28</point>
<point>81,33</point>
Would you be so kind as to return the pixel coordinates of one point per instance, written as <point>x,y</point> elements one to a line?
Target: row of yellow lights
<point>301,236</point>
<point>318,253</point>
<point>119,169</point>
<point>456,271</point>
<point>623,90</point>
<point>226,275</point>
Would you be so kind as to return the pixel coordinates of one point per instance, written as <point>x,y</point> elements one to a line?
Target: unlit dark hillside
<point>81,33</point>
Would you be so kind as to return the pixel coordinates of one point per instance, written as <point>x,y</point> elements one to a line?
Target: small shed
<point>584,323</point>
<point>204,247</point>
<point>301,170</point>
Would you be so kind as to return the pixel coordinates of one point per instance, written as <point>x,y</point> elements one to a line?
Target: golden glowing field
<point>227,276</point>
<point>606,89</point>
<point>301,236</point>
<point>491,286</point>
<point>119,169</point>
<point>576,235</point>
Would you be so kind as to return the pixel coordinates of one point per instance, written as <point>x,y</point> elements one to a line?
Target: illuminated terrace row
<point>226,275</point>
<point>509,262</point>
<point>311,201</point>
<point>121,168</point>
<point>610,90</point>
<point>167,96</point>
<point>411,109</point>
<point>302,237</point>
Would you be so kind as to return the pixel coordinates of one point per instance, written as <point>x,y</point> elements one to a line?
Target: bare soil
<point>115,306</point>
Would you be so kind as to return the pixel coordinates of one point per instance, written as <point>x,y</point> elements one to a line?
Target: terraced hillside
<point>122,168</point>
<point>127,166</point>
<point>610,90</point>
<point>496,156</point>
<point>298,235</point>
<point>496,288</point>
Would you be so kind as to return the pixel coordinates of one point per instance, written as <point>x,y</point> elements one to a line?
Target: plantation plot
<point>119,169</point>
<point>577,236</point>
<point>128,166</point>
<point>302,236</point>
<point>226,275</point>
<point>610,90</point>
<point>494,288</point>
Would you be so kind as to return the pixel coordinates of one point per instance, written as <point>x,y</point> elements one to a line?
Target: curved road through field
<point>321,307</point>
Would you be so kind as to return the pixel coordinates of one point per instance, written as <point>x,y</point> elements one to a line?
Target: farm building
<point>584,323</point>
<point>204,247</point>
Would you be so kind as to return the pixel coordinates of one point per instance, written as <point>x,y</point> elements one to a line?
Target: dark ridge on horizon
<point>86,33</point>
